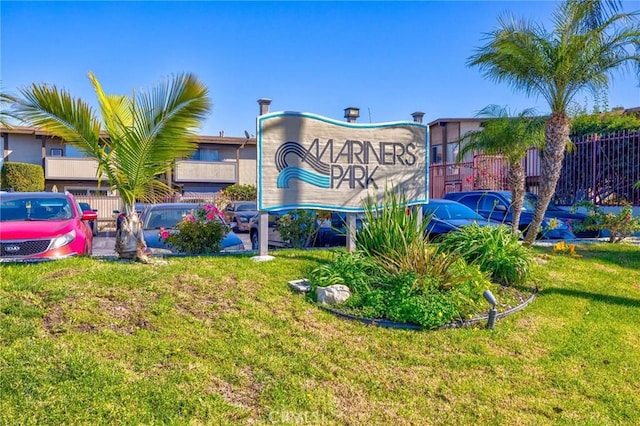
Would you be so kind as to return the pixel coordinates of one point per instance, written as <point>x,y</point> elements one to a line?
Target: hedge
<point>22,177</point>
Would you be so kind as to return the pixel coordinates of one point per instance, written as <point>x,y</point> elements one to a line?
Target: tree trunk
<point>556,137</point>
<point>130,242</point>
<point>516,182</point>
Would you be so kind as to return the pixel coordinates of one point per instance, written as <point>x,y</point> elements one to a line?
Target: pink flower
<point>210,215</point>
<point>190,218</point>
<point>164,234</point>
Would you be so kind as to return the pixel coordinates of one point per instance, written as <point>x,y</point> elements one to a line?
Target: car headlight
<point>237,247</point>
<point>62,240</point>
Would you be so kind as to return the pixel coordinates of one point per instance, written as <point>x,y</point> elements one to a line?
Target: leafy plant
<point>198,233</point>
<point>620,226</point>
<point>298,227</point>
<point>392,233</point>
<point>495,249</point>
<point>358,272</point>
<point>22,177</point>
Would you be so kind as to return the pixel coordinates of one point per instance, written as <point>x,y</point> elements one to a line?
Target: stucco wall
<point>25,149</point>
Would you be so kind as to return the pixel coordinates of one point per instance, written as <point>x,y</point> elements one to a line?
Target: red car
<point>43,225</point>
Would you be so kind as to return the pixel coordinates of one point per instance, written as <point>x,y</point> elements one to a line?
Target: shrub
<point>495,249</point>
<point>358,272</point>
<point>392,234</point>
<point>404,296</point>
<point>298,227</point>
<point>22,177</point>
<point>200,233</point>
<point>238,192</point>
<point>620,226</point>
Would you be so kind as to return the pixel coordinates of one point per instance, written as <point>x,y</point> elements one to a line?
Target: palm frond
<point>57,112</point>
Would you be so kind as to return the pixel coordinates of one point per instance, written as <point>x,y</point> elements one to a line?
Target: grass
<point>223,341</point>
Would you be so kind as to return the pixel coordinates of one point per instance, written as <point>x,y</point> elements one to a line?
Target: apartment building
<point>218,162</point>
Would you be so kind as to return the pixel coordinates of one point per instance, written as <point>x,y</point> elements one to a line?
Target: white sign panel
<point>309,161</point>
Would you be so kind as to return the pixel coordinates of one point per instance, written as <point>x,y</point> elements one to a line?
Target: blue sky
<point>387,58</point>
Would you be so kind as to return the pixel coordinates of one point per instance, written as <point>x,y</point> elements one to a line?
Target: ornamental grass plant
<point>495,249</point>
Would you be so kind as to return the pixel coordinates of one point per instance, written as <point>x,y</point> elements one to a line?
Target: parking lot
<point>104,243</point>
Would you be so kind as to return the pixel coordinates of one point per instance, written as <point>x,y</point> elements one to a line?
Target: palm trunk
<point>515,178</point>
<point>130,242</point>
<point>556,137</point>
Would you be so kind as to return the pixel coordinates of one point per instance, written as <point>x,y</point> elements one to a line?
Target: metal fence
<point>602,169</point>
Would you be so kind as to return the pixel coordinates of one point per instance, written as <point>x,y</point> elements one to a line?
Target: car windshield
<point>246,207</point>
<point>533,199</point>
<point>529,203</point>
<point>35,208</point>
<point>167,218</point>
<point>451,211</point>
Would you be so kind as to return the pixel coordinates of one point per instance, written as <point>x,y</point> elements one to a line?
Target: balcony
<point>206,171</point>
<point>70,168</point>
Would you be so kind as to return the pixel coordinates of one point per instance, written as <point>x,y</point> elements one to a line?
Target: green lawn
<point>223,341</point>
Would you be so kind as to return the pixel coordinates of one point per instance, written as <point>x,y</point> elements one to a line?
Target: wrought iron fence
<point>599,168</point>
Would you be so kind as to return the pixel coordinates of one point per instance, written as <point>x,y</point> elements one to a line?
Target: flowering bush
<point>619,225</point>
<point>198,233</point>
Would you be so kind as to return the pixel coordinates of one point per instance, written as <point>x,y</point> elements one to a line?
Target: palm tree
<point>509,135</point>
<point>578,54</point>
<point>134,141</point>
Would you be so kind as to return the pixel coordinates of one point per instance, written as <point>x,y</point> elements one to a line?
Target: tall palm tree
<point>578,54</point>
<point>134,140</point>
<point>509,135</point>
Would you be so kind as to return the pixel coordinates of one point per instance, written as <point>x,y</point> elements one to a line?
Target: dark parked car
<point>121,213</point>
<point>330,232</point>
<point>496,205</point>
<point>570,219</point>
<point>238,213</point>
<point>446,215</point>
<point>167,216</point>
<point>93,224</point>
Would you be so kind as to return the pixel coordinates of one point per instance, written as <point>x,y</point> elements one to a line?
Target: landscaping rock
<point>333,294</point>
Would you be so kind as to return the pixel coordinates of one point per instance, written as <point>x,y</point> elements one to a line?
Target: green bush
<point>238,192</point>
<point>298,227</point>
<point>200,233</point>
<point>22,177</point>
<point>495,249</point>
<point>619,226</point>
<point>404,296</point>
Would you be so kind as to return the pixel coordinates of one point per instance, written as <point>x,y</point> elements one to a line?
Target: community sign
<point>309,161</point>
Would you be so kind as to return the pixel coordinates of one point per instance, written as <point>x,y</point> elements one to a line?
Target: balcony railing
<point>70,168</point>
<point>206,171</point>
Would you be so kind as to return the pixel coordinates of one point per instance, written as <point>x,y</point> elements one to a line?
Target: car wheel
<point>254,241</point>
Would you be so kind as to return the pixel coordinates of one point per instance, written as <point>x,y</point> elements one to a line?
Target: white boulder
<point>332,295</point>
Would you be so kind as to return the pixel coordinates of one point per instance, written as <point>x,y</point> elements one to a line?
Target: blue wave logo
<point>286,173</point>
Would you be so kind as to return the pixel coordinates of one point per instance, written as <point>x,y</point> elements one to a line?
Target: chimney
<point>417,116</point>
<point>351,114</point>
<point>264,105</point>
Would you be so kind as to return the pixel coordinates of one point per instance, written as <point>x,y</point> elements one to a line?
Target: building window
<point>452,152</point>
<point>205,154</point>
<point>436,154</point>
<point>55,152</point>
